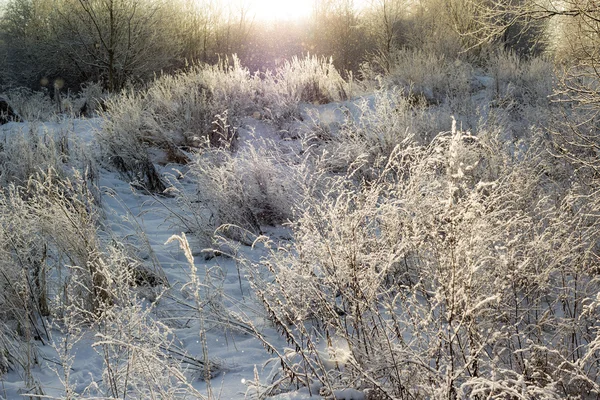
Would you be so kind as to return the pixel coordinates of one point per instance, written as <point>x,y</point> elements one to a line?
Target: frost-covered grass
<point>204,106</point>
<point>458,272</point>
<point>437,237</point>
<point>40,106</point>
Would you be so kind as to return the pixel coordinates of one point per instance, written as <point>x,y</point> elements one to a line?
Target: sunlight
<point>281,9</point>
<point>268,10</point>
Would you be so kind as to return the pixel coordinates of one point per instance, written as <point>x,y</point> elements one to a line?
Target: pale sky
<point>281,9</point>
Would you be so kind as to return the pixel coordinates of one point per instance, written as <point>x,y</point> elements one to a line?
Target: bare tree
<point>236,24</point>
<point>120,40</point>
<point>337,33</point>
<point>113,41</point>
<point>385,23</point>
<point>199,23</point>
<point>25,37</point>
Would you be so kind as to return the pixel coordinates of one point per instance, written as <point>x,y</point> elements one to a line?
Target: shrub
<point>141,356</point>
<point>204,106</point>
<point>23,154</point>
<point>456,273</point>
<point>362,135</point>
<point>312,80</point>
<point>524,81</point>
<point>237,193</point>
<point>425,75</point>
<point>180,109</point>
<point>32,106</point>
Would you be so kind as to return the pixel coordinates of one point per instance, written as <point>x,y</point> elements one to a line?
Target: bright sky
<point>280,9</point>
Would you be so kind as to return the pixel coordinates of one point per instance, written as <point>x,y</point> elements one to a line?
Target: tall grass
<point>235,194</point>
<point>457,273</point>
<point>40,106</point>
<point>204,106</point>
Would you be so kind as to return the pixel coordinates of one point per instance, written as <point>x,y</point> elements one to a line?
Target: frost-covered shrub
<point>23,154</point>
<point>182,108</point>
<point>141,356</point>
<point>428,75</point>
<point>50,241</point>
<point>46,225</point>
<point>204,105</point>
<point>239,192</point>
<point>32,106</point>
<point>361,135</point>
<point>311,80</point>
<point>138,355</point>
<point>91,100</point>
<point>56,266</point>
<point>25,150</point>
<point>459,272</point>
<point>190,109</point>
<point>124,147</point>
<point>39,106</point>
<point>282,93</point>
<point>53,223</point>
<point>528,81</point>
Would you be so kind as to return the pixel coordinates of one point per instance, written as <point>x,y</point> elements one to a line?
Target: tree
<point>199,23</point>
<point>385,23</point>
<point>236,24</point>
<point>117,40</point>
<point>113,41</point>
<point>438,26</point>
<point>337,33</point>
<point>26,43</point>
<point>573,31</point>
<point>442,26</point>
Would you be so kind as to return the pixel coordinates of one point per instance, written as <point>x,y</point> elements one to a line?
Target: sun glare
<point>282,9</point>
<point>268,10</point>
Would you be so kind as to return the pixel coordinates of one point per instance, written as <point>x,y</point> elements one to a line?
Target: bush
<point>141,356</point>
<point>32,106</point>
<point>458,272</point>
<point>425,75</point>
<point>23,154</point>
<point>180,110</point>
<point>204,107</point>
<point>361,136</point>
<point>313,80</point>
<point>237,193</point>
<point>523,81</point>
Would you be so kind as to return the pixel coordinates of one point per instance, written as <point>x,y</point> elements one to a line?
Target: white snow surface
<point>140,220</point>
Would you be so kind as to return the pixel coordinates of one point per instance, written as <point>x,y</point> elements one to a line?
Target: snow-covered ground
<point>145,222</point>
<point>421,202</point>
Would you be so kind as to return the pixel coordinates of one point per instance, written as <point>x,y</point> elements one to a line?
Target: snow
<point>140,220</point>
<point>146,222</point>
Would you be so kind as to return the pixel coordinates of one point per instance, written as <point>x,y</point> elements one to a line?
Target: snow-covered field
<point>142,220</point>
<point>439,243</point>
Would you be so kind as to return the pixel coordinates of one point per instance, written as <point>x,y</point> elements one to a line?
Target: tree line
<point>120,42</point>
